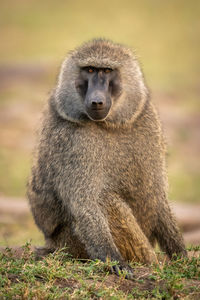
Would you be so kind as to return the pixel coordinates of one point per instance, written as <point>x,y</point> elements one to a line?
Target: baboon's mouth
<point>97,114</point>
<point>97,109</point>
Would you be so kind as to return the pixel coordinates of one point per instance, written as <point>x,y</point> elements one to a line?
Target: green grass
<point>59,277</point>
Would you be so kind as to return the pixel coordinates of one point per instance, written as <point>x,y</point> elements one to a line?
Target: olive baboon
<point>98,183</point>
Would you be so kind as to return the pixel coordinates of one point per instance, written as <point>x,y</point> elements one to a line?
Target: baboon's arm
<point>91,228</point>
<point>167,232</point>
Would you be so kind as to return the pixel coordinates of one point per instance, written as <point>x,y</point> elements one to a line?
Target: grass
<point>60,277</point>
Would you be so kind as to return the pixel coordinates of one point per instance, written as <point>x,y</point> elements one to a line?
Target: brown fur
<point>100,188</point>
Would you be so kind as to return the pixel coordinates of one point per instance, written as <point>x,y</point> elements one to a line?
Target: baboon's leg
<point>88,228</point>
<point>91,228</point>
<point>127,234</point>
<point>46,209</point>
<point>168,234</point>
<point>80,212</point>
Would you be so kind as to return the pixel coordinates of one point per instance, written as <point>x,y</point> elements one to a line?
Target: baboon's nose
<point>97,103</point>
<point>97,100</point>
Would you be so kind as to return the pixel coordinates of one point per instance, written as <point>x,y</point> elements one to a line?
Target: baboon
<point>98,183</point>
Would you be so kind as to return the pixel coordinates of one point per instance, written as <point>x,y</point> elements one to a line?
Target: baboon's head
<point>98,88</point>
<point>100,81</point>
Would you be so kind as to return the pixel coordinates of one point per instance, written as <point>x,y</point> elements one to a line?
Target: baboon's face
<point>98,88</point>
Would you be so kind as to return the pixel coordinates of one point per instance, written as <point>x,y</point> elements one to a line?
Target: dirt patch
<point>23,72</point>
<point>142,282</point>
<point>138,282</point>
<point>67,283</point>
<point>17,252</point>
<point>188,216</point>
<point>13,278</point>
<point>113,281</point>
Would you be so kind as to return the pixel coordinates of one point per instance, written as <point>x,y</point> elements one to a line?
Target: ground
<point>59,277</point>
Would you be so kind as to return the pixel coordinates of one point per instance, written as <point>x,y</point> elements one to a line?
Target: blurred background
<point>35,37</point>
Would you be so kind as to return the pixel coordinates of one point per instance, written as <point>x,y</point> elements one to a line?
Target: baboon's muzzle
<point>98,98</point>
<point>97,105</point>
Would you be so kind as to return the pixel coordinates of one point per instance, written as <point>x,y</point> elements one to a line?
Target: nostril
<point>96,104</point>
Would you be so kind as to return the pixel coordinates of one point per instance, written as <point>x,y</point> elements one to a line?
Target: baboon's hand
<point>122,270</point>
<point>40,252</point>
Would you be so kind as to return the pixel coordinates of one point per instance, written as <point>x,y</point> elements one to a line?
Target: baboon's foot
<point>122,270</point>
<point>41,252</point>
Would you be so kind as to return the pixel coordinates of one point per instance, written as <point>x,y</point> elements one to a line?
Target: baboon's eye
<point>90,70</point>
<point>107,70</point>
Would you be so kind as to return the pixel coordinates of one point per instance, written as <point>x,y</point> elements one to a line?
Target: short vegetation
<point>58,276</point>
